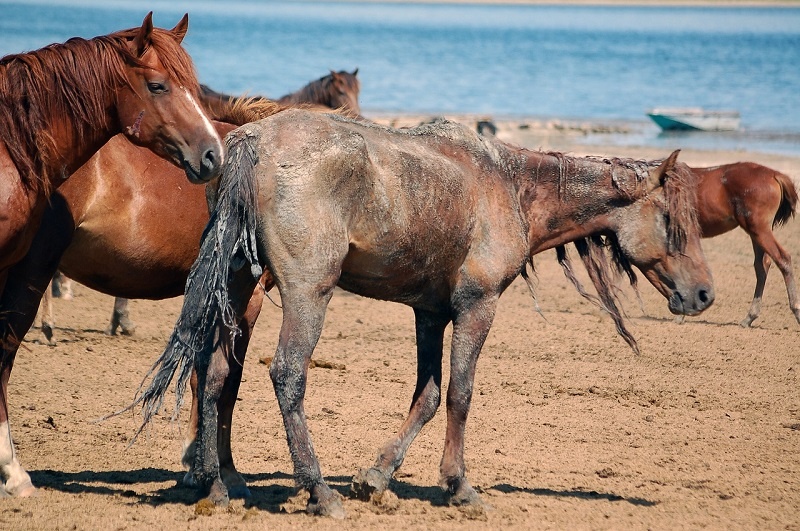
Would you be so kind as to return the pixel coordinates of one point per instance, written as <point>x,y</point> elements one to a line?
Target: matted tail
<point>228,244</point>
<point>788,199</point>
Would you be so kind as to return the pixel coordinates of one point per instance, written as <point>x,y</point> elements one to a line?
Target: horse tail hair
<point>788,204</point>
<point>228,244</point>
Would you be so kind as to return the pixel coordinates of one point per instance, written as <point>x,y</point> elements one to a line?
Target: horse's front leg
<point>218,377</point>
<point>303,315</point>
<point>18,306</point>
<point>470,328</point>
<point>370,483</point>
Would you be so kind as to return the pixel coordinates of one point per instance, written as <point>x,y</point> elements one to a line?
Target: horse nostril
<point>209,159</point>
<point>706,297</point>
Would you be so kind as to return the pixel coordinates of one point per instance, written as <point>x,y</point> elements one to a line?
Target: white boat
<point>694,119</point>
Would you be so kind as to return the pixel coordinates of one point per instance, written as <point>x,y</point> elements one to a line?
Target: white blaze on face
<point>209,126</point>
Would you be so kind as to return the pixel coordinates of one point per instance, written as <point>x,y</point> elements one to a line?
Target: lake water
<point>605,64</point>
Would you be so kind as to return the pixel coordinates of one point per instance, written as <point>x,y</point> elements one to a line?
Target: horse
<point>757,199</point>
<point>435,217</point>
<point>126,223</point>
<point>337,90</point>
<point>58,106</point>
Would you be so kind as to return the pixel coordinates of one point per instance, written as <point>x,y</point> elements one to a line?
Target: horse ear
<point>355,72</point>
<point>180,29</point>
<point>658,175</point>
<point>142,39</point>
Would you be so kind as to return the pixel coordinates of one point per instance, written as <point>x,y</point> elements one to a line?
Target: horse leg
<point>303,315</point>
<point>234,482</point>
<point>764,242</point>
<point>219,375</point>
<point>46,311</point>
<point>470,329</point>
<point>18,307</point>
<point>120,318</point>
<point>372,482</point>
<point>61,287</point>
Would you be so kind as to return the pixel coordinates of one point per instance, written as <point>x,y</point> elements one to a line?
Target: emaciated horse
<point>756,198</point>
<point>435,217</point>
<point>58,106</point>
<point>126,223</point>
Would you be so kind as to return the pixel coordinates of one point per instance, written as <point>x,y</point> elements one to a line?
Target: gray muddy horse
<point>435,217</point>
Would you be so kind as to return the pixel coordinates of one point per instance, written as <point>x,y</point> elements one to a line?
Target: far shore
<point>639,3</point>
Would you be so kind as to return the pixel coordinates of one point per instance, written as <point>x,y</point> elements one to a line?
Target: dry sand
<point>568,430</point>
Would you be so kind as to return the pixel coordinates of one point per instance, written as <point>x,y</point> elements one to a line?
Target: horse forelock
<point>175,60</point>
<point>680,192</point>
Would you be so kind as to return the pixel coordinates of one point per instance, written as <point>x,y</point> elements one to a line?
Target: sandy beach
<point>569,429</point>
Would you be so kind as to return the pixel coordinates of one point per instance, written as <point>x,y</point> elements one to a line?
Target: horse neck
<point>565,198</point>
<point>50,133</point>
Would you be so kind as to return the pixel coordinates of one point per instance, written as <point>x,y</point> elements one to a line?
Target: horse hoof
<point>218,494</point>
<point>368,484</point>
<point>329,506</point>
<point>189,481</point>
<point>23,490</point>
<point>239,492</point>
<point>747,321</point>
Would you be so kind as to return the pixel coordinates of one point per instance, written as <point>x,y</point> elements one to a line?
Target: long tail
<point>788,199</point>
<point>228,244</point>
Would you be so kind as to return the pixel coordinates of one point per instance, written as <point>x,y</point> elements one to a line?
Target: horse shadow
<point>268,498</point>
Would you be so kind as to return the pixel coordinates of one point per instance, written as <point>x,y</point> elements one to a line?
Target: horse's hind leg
<point>120,318</point>
<point>370,483</point>
<point>218,381</point>
<point>765,245</point>
<point>233,481</point>
<point>304,306</point>
<point>46,313</point>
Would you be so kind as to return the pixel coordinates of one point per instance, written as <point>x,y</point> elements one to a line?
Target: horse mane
<point>85,72</point>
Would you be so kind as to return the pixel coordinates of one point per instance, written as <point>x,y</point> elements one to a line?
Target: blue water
<point>573,62</point>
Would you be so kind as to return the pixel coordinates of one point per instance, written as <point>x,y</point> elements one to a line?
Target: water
<point>605,64</point>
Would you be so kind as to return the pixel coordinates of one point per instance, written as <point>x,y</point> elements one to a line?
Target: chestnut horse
<point>435,217</point>
<point>756,198</point>
<point>337,90</point>
<point>58,106</point>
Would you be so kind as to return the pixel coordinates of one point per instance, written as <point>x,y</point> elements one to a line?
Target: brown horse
<point>338,90</point>
<point>756,198</point>
<point>126,223</point>
<point>434,217</point>
<point>58,106</point>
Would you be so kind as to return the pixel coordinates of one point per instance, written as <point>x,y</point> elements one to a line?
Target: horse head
<point>668,251</point>
<point>158,106</point>
<point>343,88</point>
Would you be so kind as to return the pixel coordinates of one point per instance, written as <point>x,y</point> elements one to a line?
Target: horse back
<point>400,204</point>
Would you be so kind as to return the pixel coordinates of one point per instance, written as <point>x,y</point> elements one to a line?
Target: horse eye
<point>666,219</point>
<point>156,88</point>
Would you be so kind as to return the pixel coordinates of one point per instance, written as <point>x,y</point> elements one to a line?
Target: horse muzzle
<point>691,303</point>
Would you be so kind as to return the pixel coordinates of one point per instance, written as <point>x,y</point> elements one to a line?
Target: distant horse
<point>126,223</point>
<point>756,198</point>
<point>434,217</point>
<point>58,106</point>
<point>337,90</point>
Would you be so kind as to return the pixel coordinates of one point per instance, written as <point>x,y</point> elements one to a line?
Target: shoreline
<point>596,138</point>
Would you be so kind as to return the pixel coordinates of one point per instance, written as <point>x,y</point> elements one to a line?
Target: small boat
<point>694,119</point>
